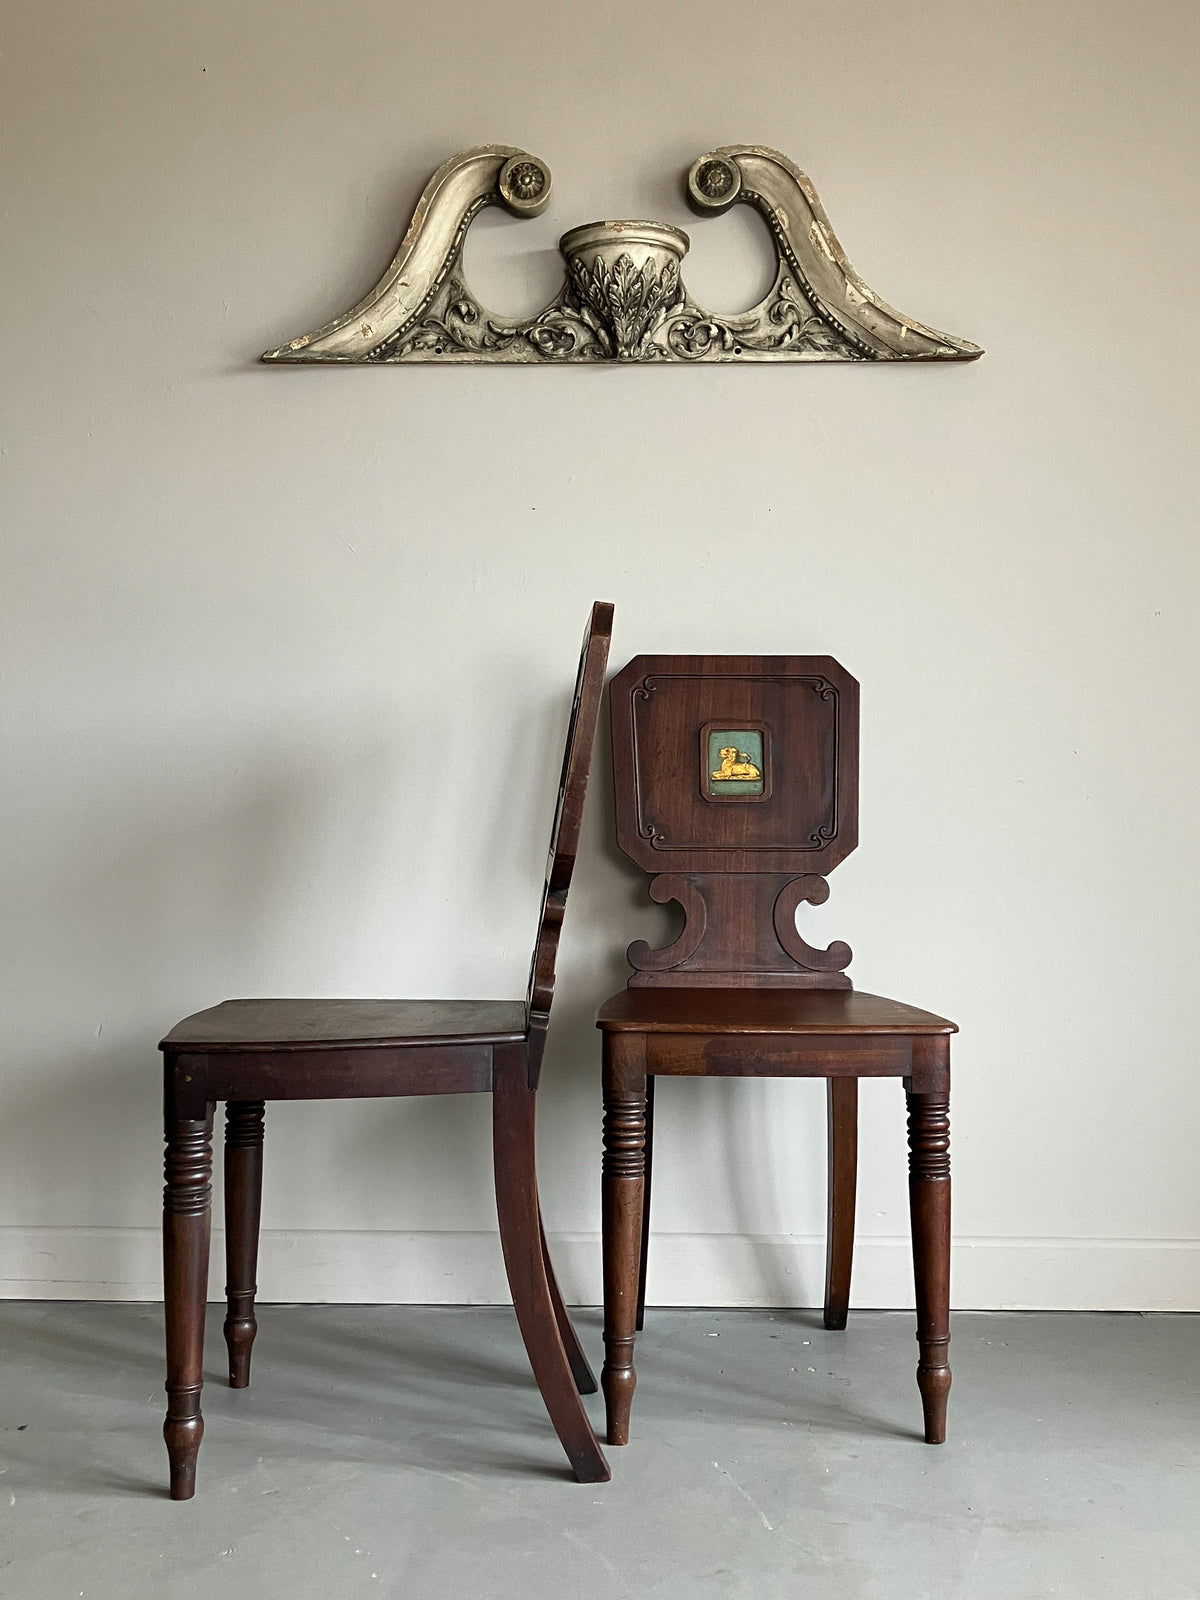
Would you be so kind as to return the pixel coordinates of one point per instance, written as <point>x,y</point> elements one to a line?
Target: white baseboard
<point>685,1269</point>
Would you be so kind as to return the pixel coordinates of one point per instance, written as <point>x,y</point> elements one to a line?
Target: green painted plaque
<point>734,763</point>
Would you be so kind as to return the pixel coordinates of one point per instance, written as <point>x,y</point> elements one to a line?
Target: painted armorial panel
<point>624,298</point>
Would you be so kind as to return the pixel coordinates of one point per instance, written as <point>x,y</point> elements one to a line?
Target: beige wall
<point>289,650</point>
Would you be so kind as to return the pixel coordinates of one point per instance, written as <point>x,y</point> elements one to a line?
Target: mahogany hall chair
<point>246,1052</point>
<point>737,787</point>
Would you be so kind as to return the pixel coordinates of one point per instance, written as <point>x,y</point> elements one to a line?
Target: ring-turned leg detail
<point>243,1209</point>
<point>186,1228</point>
<point>929,1203</point>
<point>622,1194</point>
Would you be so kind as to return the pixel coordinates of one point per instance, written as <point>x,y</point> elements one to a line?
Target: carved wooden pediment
<point>624,298</point>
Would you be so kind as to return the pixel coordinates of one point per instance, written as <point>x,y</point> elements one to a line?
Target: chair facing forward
<point>247,1052</point>
<point>737,787</point>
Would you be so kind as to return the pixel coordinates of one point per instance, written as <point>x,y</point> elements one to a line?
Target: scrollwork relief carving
<point>813,889</point>
<point>643,957</point>
<point>623,298</point>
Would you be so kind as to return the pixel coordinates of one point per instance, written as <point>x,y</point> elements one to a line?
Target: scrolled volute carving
<point>815,890</point>
<point>669,886</point>
<point>709,952</point>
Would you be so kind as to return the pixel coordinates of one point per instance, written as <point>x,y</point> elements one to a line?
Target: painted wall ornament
<point>624,298</point>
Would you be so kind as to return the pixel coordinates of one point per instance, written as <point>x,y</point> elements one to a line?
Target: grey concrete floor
<point>402,1451</point>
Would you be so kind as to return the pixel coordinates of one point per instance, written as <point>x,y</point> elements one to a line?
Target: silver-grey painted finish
<point>624,298</point>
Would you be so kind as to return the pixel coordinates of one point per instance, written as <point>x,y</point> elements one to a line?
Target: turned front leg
<point>243,1209</point>
<point>622,1196</point>
<point>186,1227</point>
<point>929,1203</point>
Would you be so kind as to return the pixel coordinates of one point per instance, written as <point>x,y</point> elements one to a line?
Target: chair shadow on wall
<point>124,920</point>
<point>145,898</point>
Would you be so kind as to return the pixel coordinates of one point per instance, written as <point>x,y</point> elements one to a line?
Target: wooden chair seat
<point>347,1049</point>
<point>784,1011</point>
<point>245,1025</point>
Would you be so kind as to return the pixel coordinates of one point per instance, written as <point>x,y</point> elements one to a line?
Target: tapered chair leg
<point>648,1164</point>
<point>585,1378</point>
<point>243,1210</point>
<point>842,1177</point>
<point>513,1103</point>
<point>621,1220</point>
<point>186,1231</point>
<point>929,1203</point>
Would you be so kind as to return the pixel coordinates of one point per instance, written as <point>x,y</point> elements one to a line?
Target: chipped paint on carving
<point>820,240</point>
